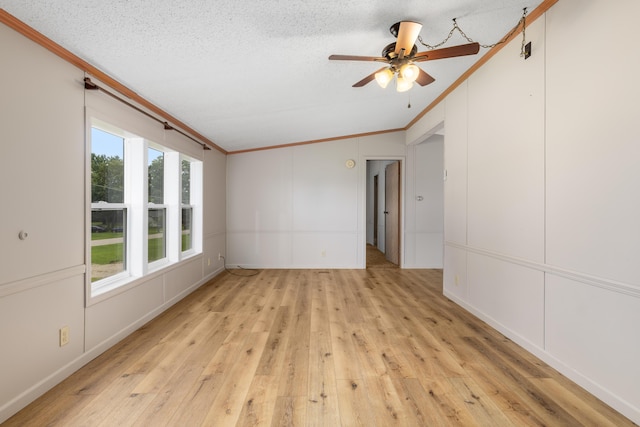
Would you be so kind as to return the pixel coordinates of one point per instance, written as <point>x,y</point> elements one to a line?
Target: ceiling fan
<point>402,56</point>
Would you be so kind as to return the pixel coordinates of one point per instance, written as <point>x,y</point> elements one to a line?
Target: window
<point>187,209</point>
<point>156,246</point>
<point>145,206</point>
<point>108,211</point>
<point>156,217</point>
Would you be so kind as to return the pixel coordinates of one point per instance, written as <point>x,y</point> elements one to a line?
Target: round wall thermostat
<point>350,163</point>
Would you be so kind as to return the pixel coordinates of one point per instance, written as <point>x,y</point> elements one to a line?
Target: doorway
<point>383,243</point>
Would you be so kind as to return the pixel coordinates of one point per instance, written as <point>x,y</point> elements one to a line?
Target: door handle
<point>386,212</point>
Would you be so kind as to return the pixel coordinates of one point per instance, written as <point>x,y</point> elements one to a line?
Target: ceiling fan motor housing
<point>389,51</point>
<point>395,28</point>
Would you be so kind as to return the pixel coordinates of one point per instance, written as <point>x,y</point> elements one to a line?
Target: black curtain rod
<point>89,85</point>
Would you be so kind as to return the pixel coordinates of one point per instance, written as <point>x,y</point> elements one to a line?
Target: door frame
<point>363,215</point>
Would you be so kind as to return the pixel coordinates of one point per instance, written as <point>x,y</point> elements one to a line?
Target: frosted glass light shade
<point>409,72</point>
<point>383,77</point>
<point>402,84</point>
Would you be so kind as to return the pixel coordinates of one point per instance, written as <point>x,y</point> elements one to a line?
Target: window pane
<point>186,182</point>
<point>156,176</point>
<point>107,167</point>
<point>157,224</point>
<point>107,242</point>
<point>186,229</point>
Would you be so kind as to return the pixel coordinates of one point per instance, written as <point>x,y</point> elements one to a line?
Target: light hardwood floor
<point>318,347</point>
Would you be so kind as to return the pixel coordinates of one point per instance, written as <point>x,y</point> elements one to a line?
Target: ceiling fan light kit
<point>406,71</point>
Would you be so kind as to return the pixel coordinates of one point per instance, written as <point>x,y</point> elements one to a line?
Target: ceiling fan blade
<point>357,58</point>
<point>447,52</point>
<point>367,79</point>
<point>424,78</point>
<point>407,35</point>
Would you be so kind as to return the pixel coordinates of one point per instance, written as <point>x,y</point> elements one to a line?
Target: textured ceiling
<point>250,74</point>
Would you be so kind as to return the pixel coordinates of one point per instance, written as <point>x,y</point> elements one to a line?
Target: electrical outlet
<point>64,336</point>
<point>323,253</point>
<point>219,256</point>
<point>456,280</point>
<point>208,261</point>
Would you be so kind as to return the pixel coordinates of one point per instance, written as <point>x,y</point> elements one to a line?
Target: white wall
<point>42,188</point>
<point>424,202</point>
<point>592,202</point>
<point>301,207</point>
<point>541,205</point>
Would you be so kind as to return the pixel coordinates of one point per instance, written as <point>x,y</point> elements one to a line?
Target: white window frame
<point>137,208</point>
<point>195,195</point>
<point>110,282</point>
<point>166,206</point>
<point>107,282</point>
<point>160,262</point>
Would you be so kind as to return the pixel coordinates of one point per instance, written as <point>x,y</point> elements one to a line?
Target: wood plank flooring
<point>318,348</point>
